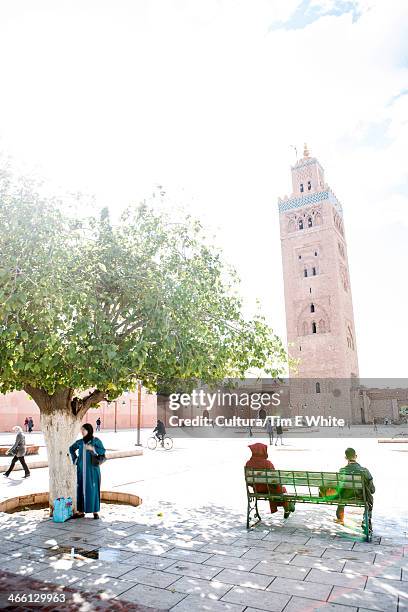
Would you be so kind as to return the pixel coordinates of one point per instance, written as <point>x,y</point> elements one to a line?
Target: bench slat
<point>326,484</point>
<point>304,479</point>
<point>304,475</point>
<point>347,501</point>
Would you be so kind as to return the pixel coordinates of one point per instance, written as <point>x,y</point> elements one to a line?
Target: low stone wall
<point>119,454</point>
<point>393,441</point>
<point>31,450</point>
<point>34,499</point>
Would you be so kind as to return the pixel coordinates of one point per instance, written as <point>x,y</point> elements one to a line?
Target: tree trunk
<point>61,416</point>
<point>60,427</point>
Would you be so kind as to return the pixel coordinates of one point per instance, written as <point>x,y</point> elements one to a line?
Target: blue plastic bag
<point>62,509</point>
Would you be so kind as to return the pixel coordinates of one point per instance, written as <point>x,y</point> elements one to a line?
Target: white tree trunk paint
<point>60,429</point>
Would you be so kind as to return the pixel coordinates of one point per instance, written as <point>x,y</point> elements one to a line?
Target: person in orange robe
<point>260,460</point>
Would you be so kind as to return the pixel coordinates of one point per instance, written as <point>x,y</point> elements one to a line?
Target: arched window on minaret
<point>314,329</point>
<point>312,308</point>
<point>305,272</point>
<point>309,185</point>
<point>309,222</point>
<point>314,272</point>
<point>300,224</point>
<point>301,187</point>
<point>317,387</point>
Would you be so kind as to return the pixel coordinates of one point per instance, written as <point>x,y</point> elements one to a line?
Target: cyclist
<point>160,431</point>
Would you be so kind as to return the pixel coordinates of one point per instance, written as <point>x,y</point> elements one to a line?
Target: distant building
<point>319,318</point>
<point>15,407</point>
<point>319,310</point>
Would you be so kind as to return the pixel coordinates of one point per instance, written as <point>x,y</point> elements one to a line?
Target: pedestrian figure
<point>26,424</point>
<point>30,424</point>
<point>279,434</point>
<point>98,424</point>
<point>86,455</point>
<point>269,429</point>
<point>18,450</point>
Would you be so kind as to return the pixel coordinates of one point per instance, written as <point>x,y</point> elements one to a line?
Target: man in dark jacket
<point>353,467</point>
<point>269,430</point>
<point>18,450</point>
<point>160,430</point>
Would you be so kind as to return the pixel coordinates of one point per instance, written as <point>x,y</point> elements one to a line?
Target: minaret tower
<point>319,310</point>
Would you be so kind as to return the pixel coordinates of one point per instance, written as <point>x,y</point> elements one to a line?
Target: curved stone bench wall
<point>42,498</point>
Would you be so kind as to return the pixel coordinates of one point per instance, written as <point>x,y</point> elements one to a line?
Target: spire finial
<point>305,151</point>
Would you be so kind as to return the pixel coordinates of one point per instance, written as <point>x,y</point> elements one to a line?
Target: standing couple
<point>279,432</point>
<point>29,424</point>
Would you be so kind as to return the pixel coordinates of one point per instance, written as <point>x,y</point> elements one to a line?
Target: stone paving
<point>192,552</point>
<point>188,559</point>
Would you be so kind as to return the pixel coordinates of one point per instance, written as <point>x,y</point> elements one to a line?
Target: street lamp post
<point>116,410</point>
<point>139,412</point>
<point>123,402</point>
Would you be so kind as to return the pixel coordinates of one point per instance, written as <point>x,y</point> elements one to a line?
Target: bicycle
<point>166,443</point>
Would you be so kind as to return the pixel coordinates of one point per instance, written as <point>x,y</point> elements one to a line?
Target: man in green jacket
<point>353,467</point>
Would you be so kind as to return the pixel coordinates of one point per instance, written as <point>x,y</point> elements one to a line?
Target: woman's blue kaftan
<point>88,475</point>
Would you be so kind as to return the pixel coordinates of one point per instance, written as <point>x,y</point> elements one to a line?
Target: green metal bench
<point>308,488</point>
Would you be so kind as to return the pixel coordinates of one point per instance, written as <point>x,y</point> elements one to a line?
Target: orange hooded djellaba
<point>260,460</point>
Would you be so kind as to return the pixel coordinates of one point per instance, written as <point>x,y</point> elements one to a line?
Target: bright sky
<point>206,97</point>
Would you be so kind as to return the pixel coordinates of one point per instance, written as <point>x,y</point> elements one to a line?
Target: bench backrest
<point>307,483</point>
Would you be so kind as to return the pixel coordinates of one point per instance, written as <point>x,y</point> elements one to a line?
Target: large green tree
<point>88,308</point>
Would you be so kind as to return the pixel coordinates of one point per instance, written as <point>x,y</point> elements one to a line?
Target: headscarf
<point>89,435</point>
<point>259,450</point>
<point>259,457</point>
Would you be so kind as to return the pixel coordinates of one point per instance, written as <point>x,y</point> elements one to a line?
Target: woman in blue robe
<point>88,475</point>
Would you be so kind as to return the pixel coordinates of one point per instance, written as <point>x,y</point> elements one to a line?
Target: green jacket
<point>356,468</point>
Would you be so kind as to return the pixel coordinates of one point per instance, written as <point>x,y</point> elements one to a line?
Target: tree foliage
<point>86,304</point>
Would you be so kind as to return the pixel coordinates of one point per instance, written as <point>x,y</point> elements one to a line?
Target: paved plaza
<point>186,547</point>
